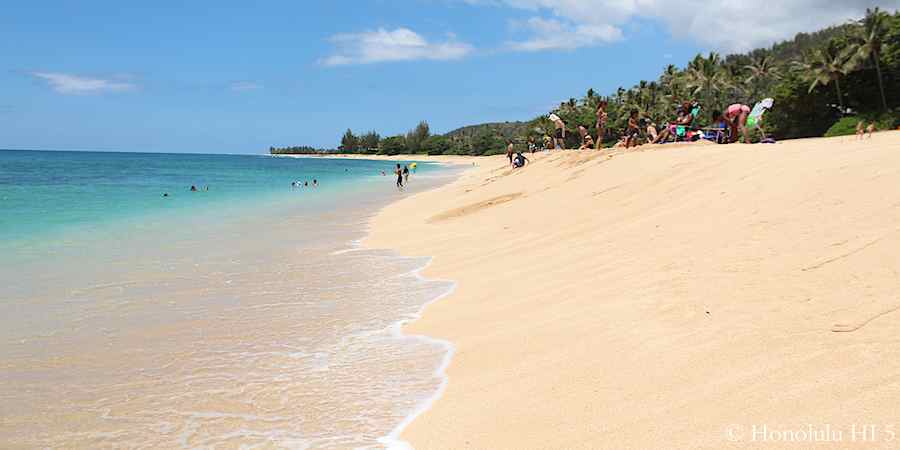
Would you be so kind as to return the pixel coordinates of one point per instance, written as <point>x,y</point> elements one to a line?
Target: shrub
<point>847,125</point>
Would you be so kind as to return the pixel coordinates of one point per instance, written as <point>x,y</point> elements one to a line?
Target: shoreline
<point>441,159</point>
<point>597,295</point>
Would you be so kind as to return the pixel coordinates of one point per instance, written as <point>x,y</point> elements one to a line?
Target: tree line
<point>822,83</point>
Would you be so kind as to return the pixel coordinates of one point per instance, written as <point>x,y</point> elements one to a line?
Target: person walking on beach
<point>560,134</point>
<point>602,118</point>
<point>399,173</point>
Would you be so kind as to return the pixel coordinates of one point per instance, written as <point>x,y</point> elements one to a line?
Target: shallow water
<point>255,322</point>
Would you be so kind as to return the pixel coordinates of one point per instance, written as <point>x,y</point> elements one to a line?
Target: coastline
<point>443,159</point>
<point>656,298</point>
<point>330,344</point>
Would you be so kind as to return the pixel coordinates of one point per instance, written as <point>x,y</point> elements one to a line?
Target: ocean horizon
<point>242,315</point>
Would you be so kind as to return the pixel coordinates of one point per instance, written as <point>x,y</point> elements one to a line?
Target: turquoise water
<point>246,316</point>
<point>46,193</point>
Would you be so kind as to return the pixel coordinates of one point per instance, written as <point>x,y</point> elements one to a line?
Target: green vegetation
<point>299,150</point>
<point>823,83</point>
<point>847,125</point>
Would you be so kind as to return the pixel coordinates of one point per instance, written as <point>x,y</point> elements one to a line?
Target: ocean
<point>137,313</point>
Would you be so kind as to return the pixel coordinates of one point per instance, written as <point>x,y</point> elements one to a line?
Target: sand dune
<point>673,297</point>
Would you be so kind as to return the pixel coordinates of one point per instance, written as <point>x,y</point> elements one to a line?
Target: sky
<point>238,76</point>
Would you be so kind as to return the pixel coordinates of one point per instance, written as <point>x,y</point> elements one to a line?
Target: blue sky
<point>237,77</point>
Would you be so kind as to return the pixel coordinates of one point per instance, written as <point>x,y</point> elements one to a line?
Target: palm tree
<point>762,71</point>
<point>867,43</point>
<point>705,75</point>
<point>827,65</point>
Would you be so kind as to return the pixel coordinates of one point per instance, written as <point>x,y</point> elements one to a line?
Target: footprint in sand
<point>853,326</point>
<point>474,207</point>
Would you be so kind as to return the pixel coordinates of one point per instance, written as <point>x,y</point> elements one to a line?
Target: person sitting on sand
<point>717,129</point>
<point>548,142</point>
<point>602,118</point>
<point>587,143</point>
<point>633,132</point>
<point>652,134</point>
<point>736,115</point>
<point>582,131</point>
<point>519,161</point>
<point>684,118</point>
<point>559,140</point>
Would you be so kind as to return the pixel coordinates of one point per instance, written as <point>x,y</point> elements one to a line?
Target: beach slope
<point>680,296</point>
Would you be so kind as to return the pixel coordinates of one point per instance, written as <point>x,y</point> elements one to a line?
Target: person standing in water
<point>399,173</point>
<point>405,174</point>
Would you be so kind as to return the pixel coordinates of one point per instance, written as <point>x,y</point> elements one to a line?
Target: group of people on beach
<point>862,129</point>
<point>726,127</point>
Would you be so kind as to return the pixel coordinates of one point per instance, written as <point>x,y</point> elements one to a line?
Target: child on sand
<point>652,134</point>
<point>871,129</point>
<point>519,161</point>
<point>587,143</point>
<point>532,147</point>
<point>602,117</point>
<point>860,130</point>
<point>632,132</point>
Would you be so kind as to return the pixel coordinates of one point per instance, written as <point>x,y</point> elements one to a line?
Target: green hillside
<point>849,72</point>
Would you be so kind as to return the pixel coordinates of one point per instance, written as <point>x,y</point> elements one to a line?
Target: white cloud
<point>383,45</point>
<point>241,86</point>
<point>547,34</point>
<point>725,25</point>
<point>76,85</point>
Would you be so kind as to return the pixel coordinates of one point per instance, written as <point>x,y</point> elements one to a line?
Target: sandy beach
<point>678,296</point>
